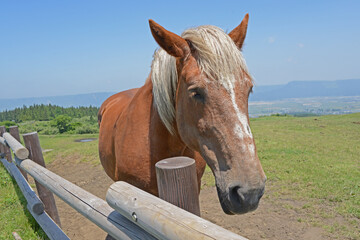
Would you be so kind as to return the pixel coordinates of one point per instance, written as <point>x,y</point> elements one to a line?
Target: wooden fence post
<point>177,183</point>
<point>5,149</point>
<point>14,131</point>
<point>32,143</point>
<point>2,150</point>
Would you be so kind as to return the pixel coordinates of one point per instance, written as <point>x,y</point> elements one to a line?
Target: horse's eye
<point>197,95</point>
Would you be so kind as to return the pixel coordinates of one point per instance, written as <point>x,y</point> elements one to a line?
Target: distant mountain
<point>93,99</point>
<point>297,89</point>
<point>306,89</point>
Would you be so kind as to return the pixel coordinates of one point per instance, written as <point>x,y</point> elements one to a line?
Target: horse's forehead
<point>191,71</point>
<point>228,91</point>
<point>237,82</point>
<point>232,85</point>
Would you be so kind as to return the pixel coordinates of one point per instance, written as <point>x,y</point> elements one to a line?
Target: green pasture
<point>14,216</point>
<point>64,146</point>
<point>312,161</point>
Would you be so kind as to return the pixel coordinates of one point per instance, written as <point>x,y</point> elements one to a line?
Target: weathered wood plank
<point>14,131</point>
<point>160,218</point>
<point>5,148</point>
<point>32,143</point>
<point>19,150</point>
<point>2,141</point>
<point>93,208</point>
<point>177,183</point>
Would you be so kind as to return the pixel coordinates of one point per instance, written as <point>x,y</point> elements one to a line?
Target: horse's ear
<point>170,42</point>
<point>239,33</point>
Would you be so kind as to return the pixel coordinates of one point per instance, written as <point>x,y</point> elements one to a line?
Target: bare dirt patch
<point>269,221</point>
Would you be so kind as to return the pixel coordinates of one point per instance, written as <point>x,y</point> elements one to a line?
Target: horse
<point>195,104</point>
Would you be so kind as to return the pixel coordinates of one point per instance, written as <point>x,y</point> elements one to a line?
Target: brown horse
<point>194,103</point>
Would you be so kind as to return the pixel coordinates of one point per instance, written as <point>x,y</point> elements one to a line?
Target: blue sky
<point>52,48</point>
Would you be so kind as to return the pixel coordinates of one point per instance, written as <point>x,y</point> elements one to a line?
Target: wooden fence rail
<point>34,203</point>
<point>160,218</point>
<point>138,215</point>
<point>19,150</point>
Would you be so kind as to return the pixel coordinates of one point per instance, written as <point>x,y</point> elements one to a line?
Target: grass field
<point>62,146</point>
<point>313,161</point>
<point>14,216</point>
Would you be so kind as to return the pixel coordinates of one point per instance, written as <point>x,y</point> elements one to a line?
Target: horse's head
<point>212,88</point>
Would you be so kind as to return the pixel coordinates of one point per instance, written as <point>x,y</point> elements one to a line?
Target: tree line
<point>44,112</point>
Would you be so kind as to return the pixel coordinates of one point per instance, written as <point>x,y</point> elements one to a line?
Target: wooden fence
<point>129,212</point>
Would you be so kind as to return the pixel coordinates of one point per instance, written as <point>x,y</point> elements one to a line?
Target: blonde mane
<point>217,56</point>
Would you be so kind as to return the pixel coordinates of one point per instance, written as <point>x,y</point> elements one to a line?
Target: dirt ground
<point>269,221</point>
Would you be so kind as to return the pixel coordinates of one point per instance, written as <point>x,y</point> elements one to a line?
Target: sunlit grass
<point>14,216</point>
<point>313,158</point>
<point>64,146</point>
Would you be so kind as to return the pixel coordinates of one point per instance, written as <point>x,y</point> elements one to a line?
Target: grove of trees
<point>51,119</point>
<point>45,113</point>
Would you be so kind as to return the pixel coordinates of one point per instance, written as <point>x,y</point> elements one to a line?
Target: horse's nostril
<point>245,196</point>
<point>243,199</point>
<point>236,194</point>
<point>240,195</point>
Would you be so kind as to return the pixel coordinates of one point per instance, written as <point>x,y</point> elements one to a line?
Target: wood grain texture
<point>160,218</point>
<point>177,183</point>
<point>2,141</point>
<point>32,143</point>
<point>93,208</point>
<point>14,131</point>
<point>5,148</point>
<point>19,150</point>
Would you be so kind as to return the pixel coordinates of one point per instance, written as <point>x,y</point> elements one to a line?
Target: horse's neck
<point>162,142</point>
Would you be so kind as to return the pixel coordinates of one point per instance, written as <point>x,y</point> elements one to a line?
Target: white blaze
<point>252,149</point>
<point>238,131</point>
<point>242,128</point>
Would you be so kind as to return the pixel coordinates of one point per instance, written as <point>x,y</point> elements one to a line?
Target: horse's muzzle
<point>239,200</point>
